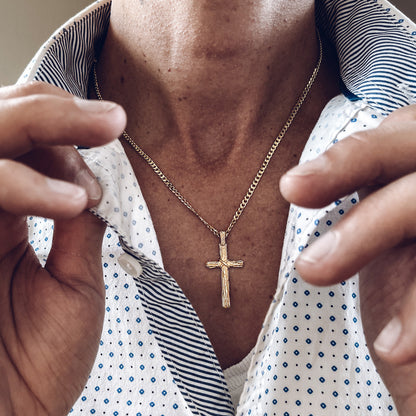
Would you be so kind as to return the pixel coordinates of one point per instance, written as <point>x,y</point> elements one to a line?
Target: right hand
<point>50,317</point>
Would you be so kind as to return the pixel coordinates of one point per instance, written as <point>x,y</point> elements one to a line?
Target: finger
<point>75,257</point>
<point>24,191</point>
<point>31,88</point>
<point>64,163</point>
<point>367,158</point>
<point>39,120</point>
<point>397,341</point>
<point>387,290</point>
<point>5,404</point>
<point>370,228</point>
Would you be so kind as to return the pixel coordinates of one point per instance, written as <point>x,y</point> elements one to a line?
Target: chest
<point>256,240</point>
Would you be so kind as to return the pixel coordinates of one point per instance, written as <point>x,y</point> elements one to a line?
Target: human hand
<point>377,238</point>
<point>51,317</point>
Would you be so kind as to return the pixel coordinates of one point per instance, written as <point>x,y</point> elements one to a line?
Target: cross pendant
<point>224,264</point>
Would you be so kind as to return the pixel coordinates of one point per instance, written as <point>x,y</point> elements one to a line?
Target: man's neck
<point>209,73</point>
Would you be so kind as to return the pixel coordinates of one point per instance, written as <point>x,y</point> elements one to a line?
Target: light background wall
<point>407,6</point>
<point>26,24</point>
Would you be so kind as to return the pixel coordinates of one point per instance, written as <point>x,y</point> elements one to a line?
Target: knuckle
<point>6,168</point>
<point>361,139</point>
<point>36,87</point>
<point>365,150</point>
<point>41,112</point>
<point>8,91</point>
<point>34,108</point>
<point>35,101</point>
<point>27,107</point>
<point>7,171</point>
<point>362,145</point>
<point>66,161</point>
<point>18,90</point>
<point>407,113</point>
<point>31,88</point>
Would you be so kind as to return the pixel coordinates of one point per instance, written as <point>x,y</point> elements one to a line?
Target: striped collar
<point>384,74</point>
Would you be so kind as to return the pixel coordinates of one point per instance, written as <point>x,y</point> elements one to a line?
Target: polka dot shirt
<point>154,357</point>
<point>311,355</point>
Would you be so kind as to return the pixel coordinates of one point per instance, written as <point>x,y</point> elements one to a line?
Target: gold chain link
<point>260,172</point>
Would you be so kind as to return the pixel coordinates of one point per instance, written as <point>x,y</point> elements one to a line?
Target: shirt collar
<point>377,54</point>
<point>376,46</point>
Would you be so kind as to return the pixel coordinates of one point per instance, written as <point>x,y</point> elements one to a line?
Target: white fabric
<point>236,376</point>
<point>311,356</point>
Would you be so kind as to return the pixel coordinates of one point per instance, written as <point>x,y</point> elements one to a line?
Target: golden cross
<point>224,264</point>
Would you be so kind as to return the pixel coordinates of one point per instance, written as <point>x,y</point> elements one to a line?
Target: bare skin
<point>54,338</point>
<point>50,317</point>
<point>387,264</point>
<point>243,90</point>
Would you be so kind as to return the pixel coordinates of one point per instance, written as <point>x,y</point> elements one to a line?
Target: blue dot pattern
<point>311,356</point>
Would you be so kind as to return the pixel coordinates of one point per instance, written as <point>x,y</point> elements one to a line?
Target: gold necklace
<point>224,263</point>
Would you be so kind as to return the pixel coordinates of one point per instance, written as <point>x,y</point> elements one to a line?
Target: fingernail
<point>389,336</point>
<point>95,106</point>
<point>65,188</point>
<point>308,168</point>
<point>319,249</point>
<point>89,182</point>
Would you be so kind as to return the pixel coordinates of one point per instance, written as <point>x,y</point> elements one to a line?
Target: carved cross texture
<point>224,264</point>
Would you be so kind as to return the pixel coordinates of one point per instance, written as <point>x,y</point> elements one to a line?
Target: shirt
<point>311,357</point>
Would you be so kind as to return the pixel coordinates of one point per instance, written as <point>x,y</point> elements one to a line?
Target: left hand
<point>377,238</point>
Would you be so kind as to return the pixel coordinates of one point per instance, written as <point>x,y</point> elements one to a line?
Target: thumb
<point>75,257</point>
<point>5,404</point>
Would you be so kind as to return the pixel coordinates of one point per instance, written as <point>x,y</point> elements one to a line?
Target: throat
<point>207,112</point>
<point>211,77</point>
<point>187,246</point>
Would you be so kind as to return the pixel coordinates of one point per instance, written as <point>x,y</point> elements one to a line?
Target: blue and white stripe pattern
<point>183,341</point>
<point>384,77</point>
<point>381,66</point>
<point>66,58</point>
